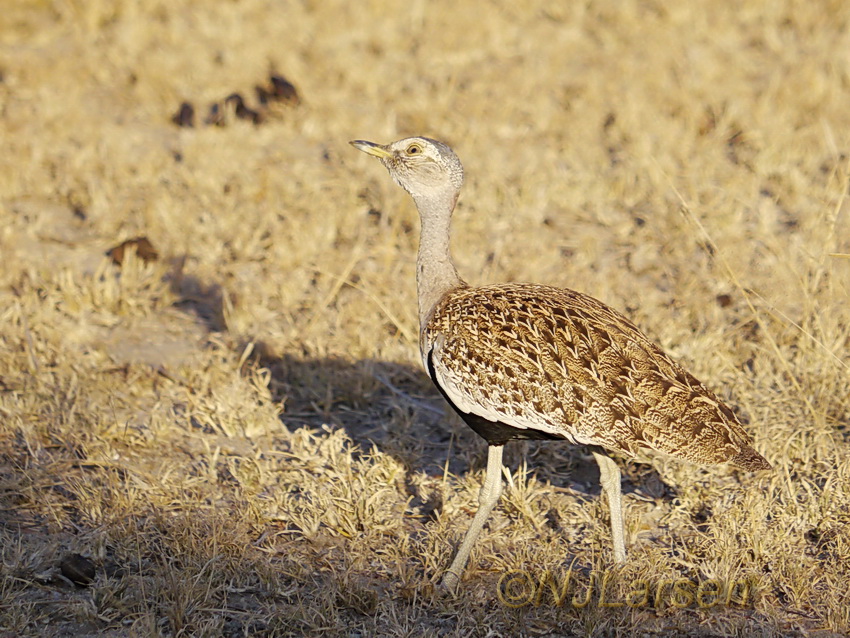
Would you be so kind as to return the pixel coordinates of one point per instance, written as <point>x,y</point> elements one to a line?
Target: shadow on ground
<point>396,408</point>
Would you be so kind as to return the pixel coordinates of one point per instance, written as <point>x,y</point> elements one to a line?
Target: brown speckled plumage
<point>525,361</point>
<point>562,362</point>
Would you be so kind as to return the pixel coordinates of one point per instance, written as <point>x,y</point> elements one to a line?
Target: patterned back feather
<point>556,360</point>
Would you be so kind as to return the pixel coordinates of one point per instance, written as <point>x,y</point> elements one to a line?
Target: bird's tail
<point>750,460</point>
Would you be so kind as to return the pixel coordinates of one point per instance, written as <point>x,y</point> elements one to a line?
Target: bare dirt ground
<point>235,438</point>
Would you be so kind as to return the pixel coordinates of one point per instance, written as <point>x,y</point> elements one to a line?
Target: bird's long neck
<point>435,271</point>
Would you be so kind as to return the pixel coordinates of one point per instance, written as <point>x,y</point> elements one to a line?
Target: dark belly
<point>498,433</point>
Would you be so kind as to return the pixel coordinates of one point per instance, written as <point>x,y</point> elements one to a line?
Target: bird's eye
<point>414,149</point>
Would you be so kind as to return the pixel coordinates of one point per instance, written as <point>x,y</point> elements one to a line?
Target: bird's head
<point>423,167</point>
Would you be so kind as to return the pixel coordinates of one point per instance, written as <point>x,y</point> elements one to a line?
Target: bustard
<point>525,361</point>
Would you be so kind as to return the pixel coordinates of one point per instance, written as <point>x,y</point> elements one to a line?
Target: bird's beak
<point>371,148</point>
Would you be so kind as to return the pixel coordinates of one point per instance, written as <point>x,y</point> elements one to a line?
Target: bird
<point>531,361</point>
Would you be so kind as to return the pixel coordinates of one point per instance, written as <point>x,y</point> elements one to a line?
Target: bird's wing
<point>557,361</point>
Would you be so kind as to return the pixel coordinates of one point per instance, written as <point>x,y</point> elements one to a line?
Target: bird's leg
<point>609,477</point>
<point>487,498</point>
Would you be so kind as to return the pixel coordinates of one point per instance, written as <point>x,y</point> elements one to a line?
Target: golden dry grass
<point>238,435</point>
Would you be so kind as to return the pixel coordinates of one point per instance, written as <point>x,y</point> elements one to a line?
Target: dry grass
<point>238,435</point>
